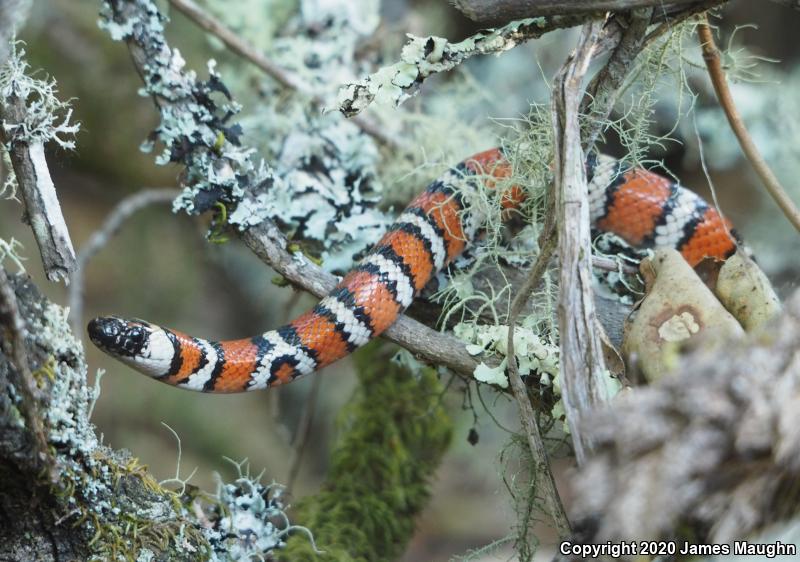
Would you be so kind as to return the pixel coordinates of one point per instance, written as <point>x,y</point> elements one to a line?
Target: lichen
<point>47,117</point>
<point>196,128</point>
<point>248,520</point>
<point>323,187</point>
<point>422,57</point>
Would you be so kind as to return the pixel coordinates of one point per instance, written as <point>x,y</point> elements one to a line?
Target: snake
<point>643,208</point>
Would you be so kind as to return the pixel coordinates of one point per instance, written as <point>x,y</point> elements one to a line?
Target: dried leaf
<point>677,309</point>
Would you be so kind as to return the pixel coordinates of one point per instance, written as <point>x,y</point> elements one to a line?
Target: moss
<point>395,433</point>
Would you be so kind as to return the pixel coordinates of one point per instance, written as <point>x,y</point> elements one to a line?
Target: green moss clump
<point>395,433</point>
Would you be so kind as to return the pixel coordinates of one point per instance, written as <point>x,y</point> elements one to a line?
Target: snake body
<point>643,208</point>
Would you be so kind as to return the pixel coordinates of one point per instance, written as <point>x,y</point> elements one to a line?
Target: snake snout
<point>117,336</point>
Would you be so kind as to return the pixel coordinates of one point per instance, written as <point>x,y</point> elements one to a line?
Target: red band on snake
<point>643,208</point>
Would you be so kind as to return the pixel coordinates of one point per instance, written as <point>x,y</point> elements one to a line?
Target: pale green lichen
<point>533,354</point>
<point>422,57</point>
<point>196,128</point>
<point>249,519</point>
<point>324,187</point>
<point>328,166</point>
<point>47,118</point>
<point>11,250</point>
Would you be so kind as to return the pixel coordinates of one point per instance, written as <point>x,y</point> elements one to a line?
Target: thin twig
<point>42,209</point>
<point>100,237</point>
<point>717,75</point>
<point>549,490</point>
<point>239,46</point>
<point>670,23</point>
<point>303,431</point>
<point>12,343</point>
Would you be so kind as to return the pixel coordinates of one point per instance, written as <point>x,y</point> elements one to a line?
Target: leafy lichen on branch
<point>196,128</point>
<point>424,56</point>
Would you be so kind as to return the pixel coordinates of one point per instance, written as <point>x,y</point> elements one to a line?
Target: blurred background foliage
<point>160,266</point>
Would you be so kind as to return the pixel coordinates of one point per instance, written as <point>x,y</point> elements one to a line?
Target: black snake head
<point>118,337</point>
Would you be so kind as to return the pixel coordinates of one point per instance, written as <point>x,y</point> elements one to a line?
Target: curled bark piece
<point>678,308</point>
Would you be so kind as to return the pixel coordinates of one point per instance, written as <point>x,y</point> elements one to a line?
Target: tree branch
<point>601,94</point>
<point>762,169</point>
<point>547,246</point>
<point>502,11</point>
<point>582,362</point>
<point>269,244</point>
<point>100,237</point>
<point>12,345</point>
<point>42,209</point>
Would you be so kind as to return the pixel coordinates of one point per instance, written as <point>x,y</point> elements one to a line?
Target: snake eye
<point>118,336</point>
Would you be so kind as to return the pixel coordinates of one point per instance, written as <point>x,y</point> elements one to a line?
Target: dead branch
<point>715,446</point>
<point>601,94</point>
<point>42,209</point>
<point>502,11</point>
<point>100,238</point>
<point>582,362</point>
<point>547,246</point>
<point>762,169</point>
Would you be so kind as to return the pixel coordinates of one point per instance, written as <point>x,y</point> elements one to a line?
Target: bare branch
<point>768,178</point>
<point>99,238</point>
<point>502,11</point>
<point>239,46</point>
<point>601,94</point>
<point>42,209</point>
<point>582,363</point>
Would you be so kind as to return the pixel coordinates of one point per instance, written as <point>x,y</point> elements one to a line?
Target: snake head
<point>119,337</point>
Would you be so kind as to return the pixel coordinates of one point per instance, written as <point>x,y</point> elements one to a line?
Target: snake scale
<point>643,208</point>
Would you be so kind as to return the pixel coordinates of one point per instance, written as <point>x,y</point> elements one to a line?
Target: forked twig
<point>717,75</point>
